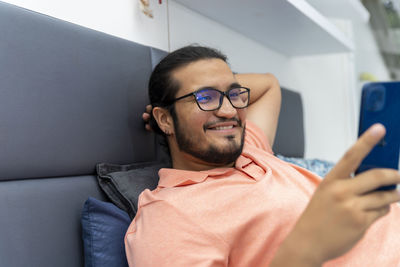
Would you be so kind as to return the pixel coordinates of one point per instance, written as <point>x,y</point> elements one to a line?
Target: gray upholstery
<point>73,96</point>
<point>70,97</point>
<point>289,140</point>
<point>40,221</point>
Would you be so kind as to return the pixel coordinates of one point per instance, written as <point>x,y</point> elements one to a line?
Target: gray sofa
<point>71,97</point>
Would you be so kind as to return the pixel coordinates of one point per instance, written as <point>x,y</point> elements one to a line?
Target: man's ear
<point>164,120</point>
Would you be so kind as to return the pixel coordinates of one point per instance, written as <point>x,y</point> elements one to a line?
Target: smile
<point>223,127</point>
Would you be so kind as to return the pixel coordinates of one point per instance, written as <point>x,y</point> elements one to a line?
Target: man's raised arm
<point>265,101</point>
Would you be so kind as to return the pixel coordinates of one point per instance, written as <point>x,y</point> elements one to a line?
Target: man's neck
<point>190,163</point>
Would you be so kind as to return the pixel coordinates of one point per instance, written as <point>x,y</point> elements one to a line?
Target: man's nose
<point>226,110</point>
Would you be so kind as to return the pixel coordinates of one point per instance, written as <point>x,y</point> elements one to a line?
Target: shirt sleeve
<point>160,235</point>
<point>256,137</point>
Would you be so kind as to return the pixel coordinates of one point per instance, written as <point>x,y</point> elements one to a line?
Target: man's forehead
<point>206,72</point>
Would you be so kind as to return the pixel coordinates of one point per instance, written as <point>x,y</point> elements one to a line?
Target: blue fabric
<point>103,231</point>
<point>317,166</point>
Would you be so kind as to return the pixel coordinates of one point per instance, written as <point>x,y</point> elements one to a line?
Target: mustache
<point>209,124</point>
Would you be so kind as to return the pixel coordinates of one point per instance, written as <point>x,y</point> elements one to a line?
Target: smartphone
<point>380,102</point>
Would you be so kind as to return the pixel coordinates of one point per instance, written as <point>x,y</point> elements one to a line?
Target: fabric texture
<point>55,77</point>
<point>238,216</point>
<point>317,166</point>
<point>123,183</point>
<point>103,229</point>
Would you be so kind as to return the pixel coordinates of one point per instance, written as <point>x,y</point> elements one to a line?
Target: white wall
<point>325,84</point>
<point>329,83</point>
<point>331,88</point>
<point>121,18</point>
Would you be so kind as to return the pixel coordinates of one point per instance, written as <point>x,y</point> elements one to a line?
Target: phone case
<point>381,103</point>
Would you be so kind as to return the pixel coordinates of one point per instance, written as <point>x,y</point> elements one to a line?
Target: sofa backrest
<point>70,97</point>
<point>289,140</point>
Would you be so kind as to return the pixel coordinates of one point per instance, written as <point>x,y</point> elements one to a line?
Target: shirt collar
<point>174,177</point>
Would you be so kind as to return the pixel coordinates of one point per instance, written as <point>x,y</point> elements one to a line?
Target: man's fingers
<point>353,157</point>
<point>146,117</point>
<point>373,179</point>
<point>379,199</point>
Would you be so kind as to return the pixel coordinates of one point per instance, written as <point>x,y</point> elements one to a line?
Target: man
<point>229,202</point>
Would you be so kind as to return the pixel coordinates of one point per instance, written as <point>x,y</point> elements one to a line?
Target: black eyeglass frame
<point>221,98</point>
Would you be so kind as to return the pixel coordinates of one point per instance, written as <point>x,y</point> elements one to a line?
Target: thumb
<point>353,157</point>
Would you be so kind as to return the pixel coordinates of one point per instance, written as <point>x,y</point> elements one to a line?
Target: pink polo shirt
<point>238,216</point>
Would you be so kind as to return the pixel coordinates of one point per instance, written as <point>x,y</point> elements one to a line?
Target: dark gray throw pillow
<point>124,183</point>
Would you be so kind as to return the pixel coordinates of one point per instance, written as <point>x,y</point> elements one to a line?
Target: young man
<point>228,201</point>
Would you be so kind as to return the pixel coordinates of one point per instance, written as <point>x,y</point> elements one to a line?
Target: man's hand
<point>342,208</point>
<point>146,117</point>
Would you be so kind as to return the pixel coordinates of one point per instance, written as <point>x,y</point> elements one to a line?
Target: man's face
<point>214,137</point>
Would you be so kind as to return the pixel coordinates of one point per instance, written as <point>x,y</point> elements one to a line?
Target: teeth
<point>223,127</point>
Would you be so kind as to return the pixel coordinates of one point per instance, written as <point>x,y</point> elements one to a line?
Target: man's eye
<point>203,98</point>
<point>234,93</point>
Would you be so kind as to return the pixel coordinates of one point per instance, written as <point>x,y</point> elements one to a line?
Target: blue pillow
<point>103,230</point>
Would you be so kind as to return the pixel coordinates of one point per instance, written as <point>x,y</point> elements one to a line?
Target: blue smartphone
<point>380,102</point>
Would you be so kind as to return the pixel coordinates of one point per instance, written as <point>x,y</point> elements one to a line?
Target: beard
<point>211,154</point>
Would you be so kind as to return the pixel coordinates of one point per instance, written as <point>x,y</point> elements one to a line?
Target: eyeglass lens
<point>210,99</point>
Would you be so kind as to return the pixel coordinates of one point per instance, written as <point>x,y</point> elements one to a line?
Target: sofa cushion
<point>103,230</point>
<point>124,183</point>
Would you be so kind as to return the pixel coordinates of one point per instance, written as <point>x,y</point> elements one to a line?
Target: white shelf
<point>347,9</point>
<point>291,27</point>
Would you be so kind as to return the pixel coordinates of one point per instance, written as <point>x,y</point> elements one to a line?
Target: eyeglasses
<point>209,99</point>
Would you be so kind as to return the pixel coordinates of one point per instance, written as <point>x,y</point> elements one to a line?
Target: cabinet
<point>290,27</point>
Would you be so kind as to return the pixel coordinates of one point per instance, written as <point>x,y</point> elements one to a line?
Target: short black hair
<point>163,88</point>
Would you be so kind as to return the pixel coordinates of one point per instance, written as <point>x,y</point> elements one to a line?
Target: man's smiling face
<point>214,137</point>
